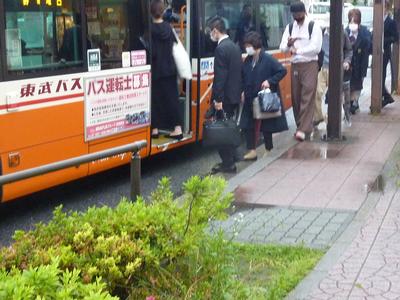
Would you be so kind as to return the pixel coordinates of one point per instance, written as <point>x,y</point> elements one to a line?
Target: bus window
<point>173,13</point>
<point>117,26</point>
<point>273,18</point>
<point>240,17</point>
<point>42,35</point>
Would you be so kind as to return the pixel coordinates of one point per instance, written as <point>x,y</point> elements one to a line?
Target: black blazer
<point>227,73</point>
<point>390,35</point>
<point>361,52</point>
<point>163,64</point>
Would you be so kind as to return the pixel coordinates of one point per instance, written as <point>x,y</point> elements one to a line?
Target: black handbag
<point>269,102</point>
<point>221,132</point>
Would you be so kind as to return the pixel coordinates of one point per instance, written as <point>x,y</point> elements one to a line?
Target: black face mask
<point>300,20</point>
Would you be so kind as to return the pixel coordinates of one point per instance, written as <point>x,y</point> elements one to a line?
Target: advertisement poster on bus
<point>116,103</point>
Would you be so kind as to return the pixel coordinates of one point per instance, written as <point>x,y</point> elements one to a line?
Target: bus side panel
<point>205,101</point>
<point>193,100</point>
<point>40,155</point>
<point>118,160</point>
<point>41,136</point>
<point>206,79</point>
<point>285,84</point>
<point>28,128</point>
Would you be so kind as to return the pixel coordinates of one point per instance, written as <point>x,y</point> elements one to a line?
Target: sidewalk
<point>326,195</point>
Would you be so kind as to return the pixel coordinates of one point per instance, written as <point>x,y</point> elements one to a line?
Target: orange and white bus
<point>75,78</point>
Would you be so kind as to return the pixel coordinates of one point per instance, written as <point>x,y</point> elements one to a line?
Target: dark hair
<point>355,14</point>
<point>157,8</point>
<point>297,7</point>
<point>246,6</point>
<point>219,24</point>
<point>253,38</point>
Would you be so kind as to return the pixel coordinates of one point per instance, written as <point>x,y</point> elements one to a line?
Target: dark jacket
<point>227,73</point>
<point>347,56</point>
<point>360,59</point>
<point>267,68</point>
<point>347,52</point>
<point>390,36</point>
<point>163,64</point>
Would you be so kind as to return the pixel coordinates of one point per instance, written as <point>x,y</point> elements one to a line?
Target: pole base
<point>325,138</point>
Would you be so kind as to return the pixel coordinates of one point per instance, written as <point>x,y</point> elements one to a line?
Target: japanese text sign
<point>138,58</point>
<point>116,103</point>
<point>94,60</point>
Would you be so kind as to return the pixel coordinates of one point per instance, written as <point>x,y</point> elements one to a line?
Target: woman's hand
<point>265,85</point>
<point>242,98</point>
<point>218,105</point>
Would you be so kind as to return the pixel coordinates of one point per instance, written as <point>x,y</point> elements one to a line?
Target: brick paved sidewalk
<point>317,194</point>
<point>365,262</point>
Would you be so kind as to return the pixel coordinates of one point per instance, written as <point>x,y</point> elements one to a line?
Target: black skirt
<point>165,112</point>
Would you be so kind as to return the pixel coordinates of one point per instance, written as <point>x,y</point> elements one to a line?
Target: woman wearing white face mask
<point>260,71</point>
<point>360,38</point>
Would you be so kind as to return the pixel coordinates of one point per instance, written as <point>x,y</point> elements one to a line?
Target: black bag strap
<point>310,28</point>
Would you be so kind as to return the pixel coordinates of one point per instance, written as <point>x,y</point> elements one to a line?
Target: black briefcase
<point>221,132</point>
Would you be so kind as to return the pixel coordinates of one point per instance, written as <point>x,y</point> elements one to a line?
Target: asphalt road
<point>105,188</point>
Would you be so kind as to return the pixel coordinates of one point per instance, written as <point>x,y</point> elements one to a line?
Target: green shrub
<point>49,282</point>
<point>133,247</point>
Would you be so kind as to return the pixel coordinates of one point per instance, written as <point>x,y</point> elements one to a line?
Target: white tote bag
<point>181,58</point>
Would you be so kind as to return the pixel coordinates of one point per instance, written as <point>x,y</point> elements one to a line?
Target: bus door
<point>203,63</point>
<point>178,14</point>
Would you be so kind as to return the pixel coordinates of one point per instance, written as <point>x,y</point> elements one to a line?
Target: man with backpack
<point>304,41</point>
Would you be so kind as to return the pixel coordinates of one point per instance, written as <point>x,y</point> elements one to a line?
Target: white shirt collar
<point>225,36</point>
<point>355,34</point>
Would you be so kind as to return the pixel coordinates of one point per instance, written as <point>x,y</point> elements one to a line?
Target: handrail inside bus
<point>182,21</point>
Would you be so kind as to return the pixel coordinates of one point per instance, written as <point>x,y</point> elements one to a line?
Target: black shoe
<point>354,108</point>
<point>176,137</point>
<point>387,100</point>
<point>220,168</point>
<point>384,103</point>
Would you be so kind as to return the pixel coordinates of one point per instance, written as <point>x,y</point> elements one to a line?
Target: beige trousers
<point>304,87</point>
<point>322,87</point>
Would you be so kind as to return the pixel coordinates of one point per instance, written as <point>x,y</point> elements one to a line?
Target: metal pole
<point>135,176</point>
<point>377,58</point>
<point>334,130</point>
<point>396,51</point>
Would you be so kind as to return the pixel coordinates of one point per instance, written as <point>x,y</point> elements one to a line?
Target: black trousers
<point>165,103</point>
<point>386,60</point>
<point>227,153</point>
<point>251,139</point>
